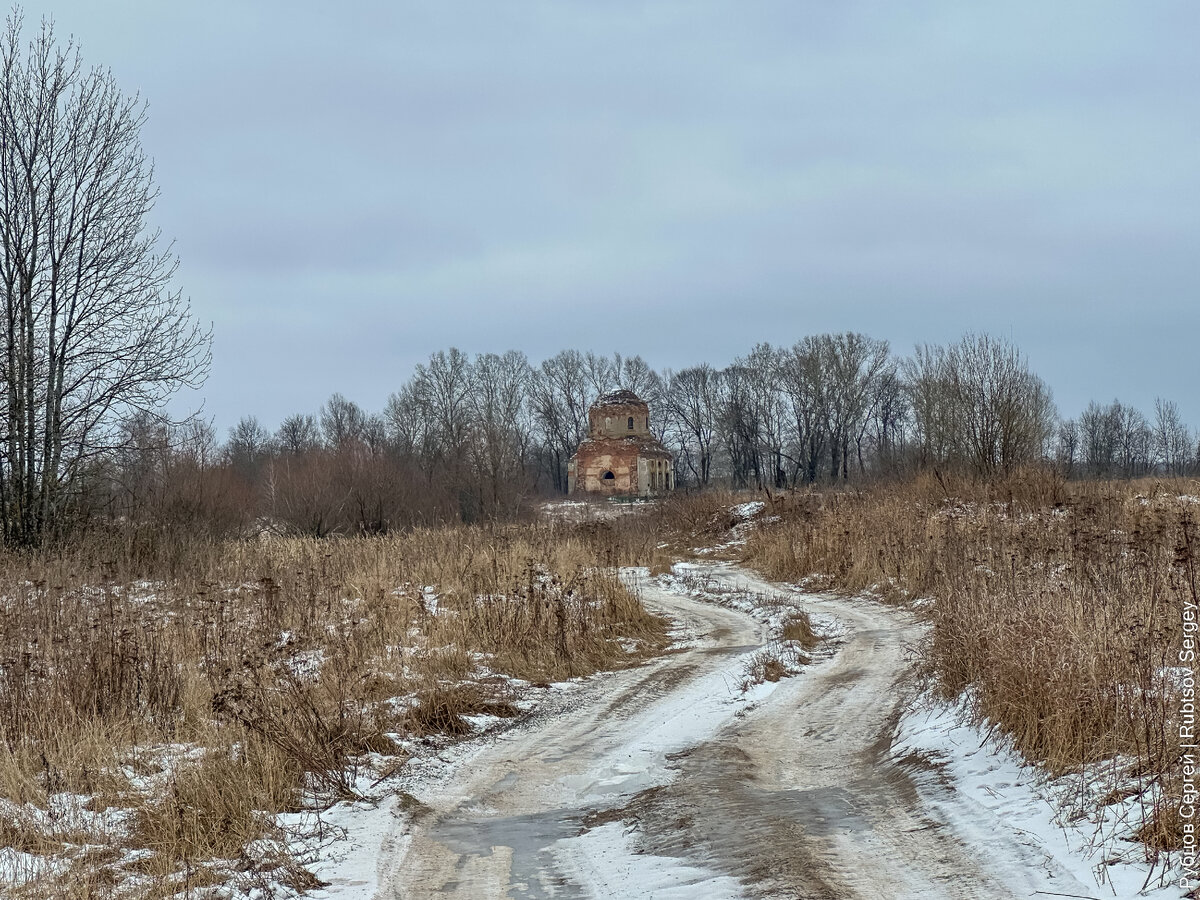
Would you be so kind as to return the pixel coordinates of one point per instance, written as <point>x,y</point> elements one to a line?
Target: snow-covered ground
<point>1002,795</point>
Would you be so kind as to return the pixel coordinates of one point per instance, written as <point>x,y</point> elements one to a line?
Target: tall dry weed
<point>1055,607</point>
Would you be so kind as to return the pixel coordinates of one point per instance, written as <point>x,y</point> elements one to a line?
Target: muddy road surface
<point>669,780</point>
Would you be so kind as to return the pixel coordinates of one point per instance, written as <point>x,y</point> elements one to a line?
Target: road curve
<point>668,781</point>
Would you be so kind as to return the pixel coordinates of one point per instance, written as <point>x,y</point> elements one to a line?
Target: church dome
<point>621,398</point>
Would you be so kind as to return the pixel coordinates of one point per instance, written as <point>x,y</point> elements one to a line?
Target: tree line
<point>474,438</point>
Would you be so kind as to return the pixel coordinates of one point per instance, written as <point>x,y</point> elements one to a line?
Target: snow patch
<point>994,791</point>
<point>745,511</point>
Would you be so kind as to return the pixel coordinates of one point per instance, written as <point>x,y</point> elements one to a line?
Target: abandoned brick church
<point>620,457</point>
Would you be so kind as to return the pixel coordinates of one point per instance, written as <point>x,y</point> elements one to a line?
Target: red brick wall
<point>593,460</point>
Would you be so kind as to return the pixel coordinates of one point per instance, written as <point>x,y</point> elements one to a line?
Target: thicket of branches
<point>481,438</point>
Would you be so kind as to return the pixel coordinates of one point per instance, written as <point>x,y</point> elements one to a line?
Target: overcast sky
<point>353,186</point>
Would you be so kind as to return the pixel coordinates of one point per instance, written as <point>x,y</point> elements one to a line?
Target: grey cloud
<point>384,180</point>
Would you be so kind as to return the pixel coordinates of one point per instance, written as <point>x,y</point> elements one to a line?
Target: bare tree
<point>889,418</point>
<point>929,400</point>
<point>856,365</point>
<point>407,422</point>
<point>561,393</point>
<point>978,403</point>
<point>762,365</point>
<point>1099,435</point>
<point>1172,443</point>
<point>1136,442</point>
<point>298,434</point>
<point>306,493</point>
<point>375,434</point>
<point>602,372</point>
<point>140,465</point>
<point>1067,448</point>
<point>739,424</point>
<point>443,389</point>
<point>637,376</point>
<point>342,422</point>
<point>1115,440</point>
<point>92,332</point>
<point>692,397</point>
<point>501,428</point>
<point>248,446</point>
<point>806,384</point>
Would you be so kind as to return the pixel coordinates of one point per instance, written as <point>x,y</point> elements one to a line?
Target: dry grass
<point>764,666</point>
<point>441,709</point>
<point>214,808</point>
<point>798,628</point>
<point>1056,607</point>
<point>207,686</point>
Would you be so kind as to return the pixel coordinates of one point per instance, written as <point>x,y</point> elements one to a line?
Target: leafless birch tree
<point>92,331</point>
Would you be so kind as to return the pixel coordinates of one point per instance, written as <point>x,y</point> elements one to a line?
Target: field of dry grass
<point>163,698</point>
<point>1056,608</point>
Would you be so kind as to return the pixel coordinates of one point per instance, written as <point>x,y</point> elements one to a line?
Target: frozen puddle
<point>607,861</point>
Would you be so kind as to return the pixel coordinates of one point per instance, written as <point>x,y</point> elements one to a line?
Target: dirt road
<point>669,781</point>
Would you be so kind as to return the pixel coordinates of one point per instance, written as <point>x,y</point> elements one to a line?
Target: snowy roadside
<point>996,795</point>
